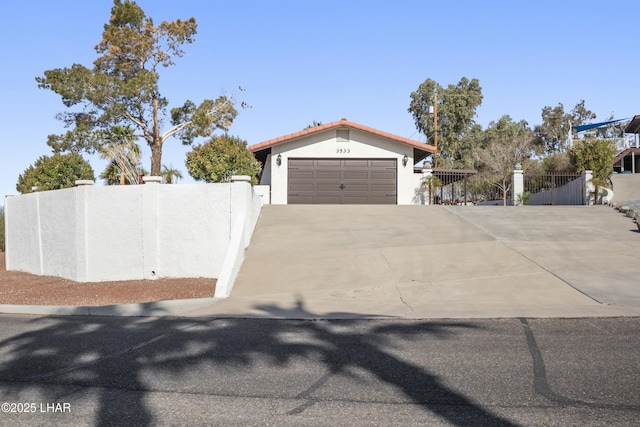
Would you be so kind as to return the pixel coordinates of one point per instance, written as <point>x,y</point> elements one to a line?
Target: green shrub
<point>54,173</point>
<point>220,158</point>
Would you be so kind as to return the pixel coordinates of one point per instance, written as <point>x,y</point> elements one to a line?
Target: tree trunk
<point>504,192</point>
<point>156,145</point>
<point>156,159</point>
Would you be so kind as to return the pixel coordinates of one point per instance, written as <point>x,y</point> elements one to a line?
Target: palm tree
<point>124,153</point>
<point>431,182</point>
<point>112,175</point>
<point>314,124</point>
<point>169,173</point>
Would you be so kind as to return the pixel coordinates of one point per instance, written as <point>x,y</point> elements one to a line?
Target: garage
<point>342,181</point>
<point>340,162</point>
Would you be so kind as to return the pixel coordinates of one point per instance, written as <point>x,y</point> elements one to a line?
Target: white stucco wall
<point>22,236</point>
<point>419,195</point>
<point>324,145</point>
<point>93,234</point>
<point>109,232</point>
<point>264,191</point>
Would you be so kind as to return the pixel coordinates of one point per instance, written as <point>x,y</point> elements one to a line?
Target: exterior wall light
<point>279,160</point>
<point>405,160</point>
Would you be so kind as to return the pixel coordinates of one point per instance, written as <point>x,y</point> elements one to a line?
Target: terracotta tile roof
<point>341,123</point>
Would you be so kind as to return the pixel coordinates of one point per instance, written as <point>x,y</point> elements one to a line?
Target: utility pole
<point>435,128</point>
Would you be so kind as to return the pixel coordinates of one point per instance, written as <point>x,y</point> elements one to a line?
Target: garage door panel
<point>389,163</point>
<point>356,200</point>
<point>329,174</point>
<point>328,163</point>
<point>328,200</point>
<point>351,174</point>
<point>383,175</point>
<point>301,200</point>
<point>356,163</point>
<point>383,200</point>
<point>301,175</point>
<point>327,186</point>
<point>342,181</point>
<point>387,188</point>
<point>301,163</point>
<point>301,187</point>
<point>356,187</point>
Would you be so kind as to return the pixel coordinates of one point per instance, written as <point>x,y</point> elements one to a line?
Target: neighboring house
<point>341,163</point>
<point>628,159</point>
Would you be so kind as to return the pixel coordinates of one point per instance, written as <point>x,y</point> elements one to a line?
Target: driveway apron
<point>344,261</point>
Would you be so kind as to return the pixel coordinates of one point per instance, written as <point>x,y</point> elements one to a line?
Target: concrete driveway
<point>438,262</point>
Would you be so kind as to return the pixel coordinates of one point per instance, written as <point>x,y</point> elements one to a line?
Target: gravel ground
<point>29,289</point>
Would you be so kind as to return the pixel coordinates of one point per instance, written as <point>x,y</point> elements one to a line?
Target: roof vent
<point>342,135</point>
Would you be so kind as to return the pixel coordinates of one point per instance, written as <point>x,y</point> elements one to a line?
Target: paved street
<point>207,371</point>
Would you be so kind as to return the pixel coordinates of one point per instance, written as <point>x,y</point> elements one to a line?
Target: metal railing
<point>456,187</point>
<point>466,187</point>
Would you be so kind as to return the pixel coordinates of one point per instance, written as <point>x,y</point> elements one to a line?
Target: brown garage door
<point>342,181</point>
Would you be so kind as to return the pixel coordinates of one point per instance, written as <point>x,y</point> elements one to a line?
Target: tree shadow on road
<point>120,361</point>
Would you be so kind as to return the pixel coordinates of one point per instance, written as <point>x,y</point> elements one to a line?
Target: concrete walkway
<point>426,262</point>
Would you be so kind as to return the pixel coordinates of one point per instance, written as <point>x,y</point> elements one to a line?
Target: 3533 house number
<point>343,150</point>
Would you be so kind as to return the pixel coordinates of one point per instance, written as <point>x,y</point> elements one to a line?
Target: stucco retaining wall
<point>93,234</point>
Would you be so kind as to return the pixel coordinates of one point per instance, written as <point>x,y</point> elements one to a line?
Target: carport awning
<point>583,128</point>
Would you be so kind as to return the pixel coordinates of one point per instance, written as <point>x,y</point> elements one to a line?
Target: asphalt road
<point>261,372</point>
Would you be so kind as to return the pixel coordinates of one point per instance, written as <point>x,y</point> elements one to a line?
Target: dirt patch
<point>29,289</point>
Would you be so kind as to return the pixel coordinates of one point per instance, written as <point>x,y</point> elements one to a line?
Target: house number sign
<point>343,150</point>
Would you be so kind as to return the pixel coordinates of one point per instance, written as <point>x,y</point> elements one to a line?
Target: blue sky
<point>301,61</point>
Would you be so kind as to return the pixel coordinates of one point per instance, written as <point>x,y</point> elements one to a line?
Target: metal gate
<point>554,189</point>
<point>468,187</point>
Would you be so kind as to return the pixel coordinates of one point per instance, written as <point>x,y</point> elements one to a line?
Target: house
<point>342,162</point>
<point>628,146</point>
<point>628,159</point>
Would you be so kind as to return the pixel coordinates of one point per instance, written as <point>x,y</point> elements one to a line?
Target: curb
<point>147,309</point>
